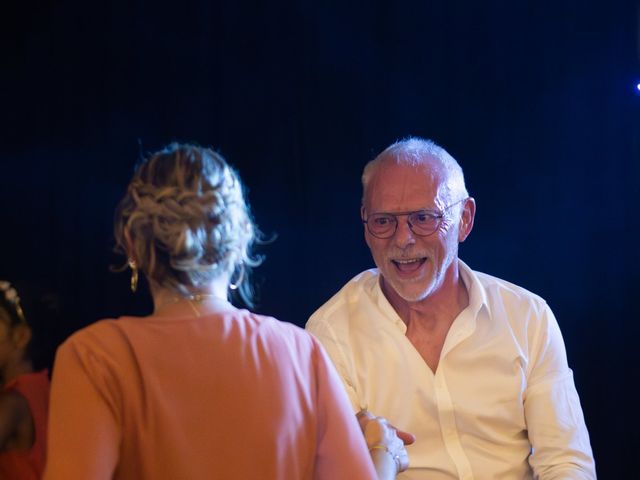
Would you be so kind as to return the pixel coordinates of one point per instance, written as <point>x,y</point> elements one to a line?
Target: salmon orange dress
<point>230,395</point>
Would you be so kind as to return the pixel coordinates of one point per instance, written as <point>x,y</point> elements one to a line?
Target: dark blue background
<point>535,99</point>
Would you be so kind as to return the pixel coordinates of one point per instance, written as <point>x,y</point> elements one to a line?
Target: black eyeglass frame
<point>435,215</point>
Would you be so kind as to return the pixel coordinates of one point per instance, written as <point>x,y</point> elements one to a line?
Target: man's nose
<point>404,235</point>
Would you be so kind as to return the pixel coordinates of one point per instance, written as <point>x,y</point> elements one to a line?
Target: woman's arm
<point>83,437</point>
<point>385,444</point>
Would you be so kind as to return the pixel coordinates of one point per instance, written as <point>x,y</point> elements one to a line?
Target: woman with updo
<point>200,389</point>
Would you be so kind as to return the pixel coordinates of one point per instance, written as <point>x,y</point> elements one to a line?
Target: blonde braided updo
<point>187,219</point>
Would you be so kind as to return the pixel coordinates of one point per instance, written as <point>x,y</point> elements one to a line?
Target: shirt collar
<point>477,294</point>
<point>383,304</point>
<point>477,298</point>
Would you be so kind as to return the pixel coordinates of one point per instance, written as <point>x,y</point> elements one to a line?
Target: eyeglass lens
<point>385,224</point>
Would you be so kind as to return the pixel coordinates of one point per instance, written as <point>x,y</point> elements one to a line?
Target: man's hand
<point>381,436</point>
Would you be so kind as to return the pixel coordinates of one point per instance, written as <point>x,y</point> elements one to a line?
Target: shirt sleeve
<point>339,353</point>
<point>83,436</point>
<point>555,423</point>
<point>342,452</point>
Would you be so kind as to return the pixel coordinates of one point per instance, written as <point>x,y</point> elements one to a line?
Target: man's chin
<point>411,292</point>
<point>412,297</point>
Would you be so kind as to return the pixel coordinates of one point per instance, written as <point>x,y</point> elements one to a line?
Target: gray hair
<point>187,219</point>
<point>415,151</point>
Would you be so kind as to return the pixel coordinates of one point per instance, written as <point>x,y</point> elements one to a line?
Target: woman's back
<point>224,395</point>
<point>201,390</point>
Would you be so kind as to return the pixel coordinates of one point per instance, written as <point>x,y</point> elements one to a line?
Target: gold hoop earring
<point>134,275</point>
<point>236,284</point>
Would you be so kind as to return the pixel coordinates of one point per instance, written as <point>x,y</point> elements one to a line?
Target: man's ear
<point>364,227</point>
<point>466,219</point>
<point>21,335</point>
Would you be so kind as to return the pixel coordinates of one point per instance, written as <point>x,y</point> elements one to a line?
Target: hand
<point>381,435</point>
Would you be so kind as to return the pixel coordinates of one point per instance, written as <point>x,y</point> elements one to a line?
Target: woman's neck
<point>165,299</point>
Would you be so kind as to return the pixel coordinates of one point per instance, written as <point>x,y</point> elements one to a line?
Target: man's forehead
<point>413,185</point>
<point>393,173</point>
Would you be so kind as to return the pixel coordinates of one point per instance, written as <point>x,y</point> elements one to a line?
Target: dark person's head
<point>15,332</point>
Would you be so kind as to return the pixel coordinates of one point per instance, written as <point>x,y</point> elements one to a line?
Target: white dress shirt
<point>502,403</point>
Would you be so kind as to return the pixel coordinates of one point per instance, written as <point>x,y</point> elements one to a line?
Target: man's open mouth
<point>409,265</point>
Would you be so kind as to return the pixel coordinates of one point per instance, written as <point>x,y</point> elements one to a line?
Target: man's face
<point>414,266</point>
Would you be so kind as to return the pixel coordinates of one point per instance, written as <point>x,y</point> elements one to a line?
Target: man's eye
<point>381,221</point>
<point>422,218</point>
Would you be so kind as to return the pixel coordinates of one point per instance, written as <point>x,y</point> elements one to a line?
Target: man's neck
<point>441,307</point>
<point>428,321</point>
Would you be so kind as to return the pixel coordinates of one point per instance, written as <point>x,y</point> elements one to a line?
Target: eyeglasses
<point>421,222</point>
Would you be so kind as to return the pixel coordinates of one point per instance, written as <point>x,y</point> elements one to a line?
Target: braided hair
<point>187,219</point>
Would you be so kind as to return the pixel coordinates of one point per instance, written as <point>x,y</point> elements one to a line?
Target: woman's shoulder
<point>270,324</point>
<point>279,332</point>
<point>99,336</point>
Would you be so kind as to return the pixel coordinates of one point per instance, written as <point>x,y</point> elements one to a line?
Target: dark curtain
<point>536,100</point>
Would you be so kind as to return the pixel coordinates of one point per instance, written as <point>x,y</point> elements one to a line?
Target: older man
<point>474,366</point>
